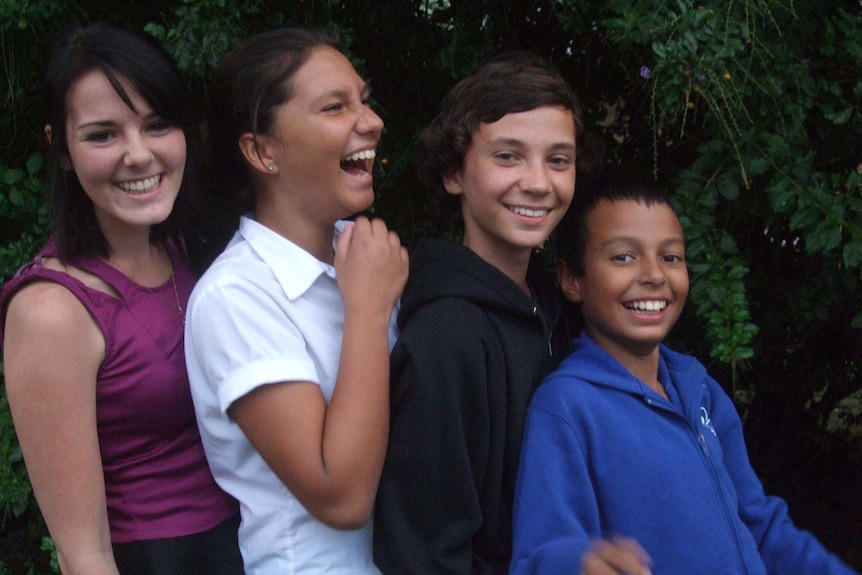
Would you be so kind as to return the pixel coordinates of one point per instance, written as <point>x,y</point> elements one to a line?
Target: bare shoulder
<point>45,305</point>
<point>44,315</point>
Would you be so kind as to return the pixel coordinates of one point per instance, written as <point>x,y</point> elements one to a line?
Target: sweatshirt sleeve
<point>428,507</point>
<point>556,513</point>
<point>784,548</point>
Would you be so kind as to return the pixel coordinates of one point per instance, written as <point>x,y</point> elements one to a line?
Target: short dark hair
<point>510,83</point>
<point>573,230</point>
<point>246,90</point>
<point>128,59</point>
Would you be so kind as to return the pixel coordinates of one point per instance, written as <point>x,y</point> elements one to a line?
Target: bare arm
<point>330,456</point>
<point>52,353</point>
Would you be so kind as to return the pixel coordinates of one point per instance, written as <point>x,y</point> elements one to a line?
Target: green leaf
<point>690,42</point>
<point>12,176</point>
<point>827,238</point>
<point>781,194</point>
<point>839,117</point>
<point>727,187</point>
<point>737,272</point>
<point>852,253</point>
<point>34,164</point>
<point>757,166</point>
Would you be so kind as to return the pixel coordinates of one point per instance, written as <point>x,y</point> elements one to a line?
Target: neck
<point>513,263</point>
<point>643,364</point>
<point>145,263</point>
<point>304,231</point>
<point>128,240</point>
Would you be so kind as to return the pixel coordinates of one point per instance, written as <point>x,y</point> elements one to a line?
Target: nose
<point>535,178</point>
<point>369,122</point>
<point>652,272</point>
<point>138,151</point>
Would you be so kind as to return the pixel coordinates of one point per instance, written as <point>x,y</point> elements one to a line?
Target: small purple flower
<point>702,78</point>
<point>645,72</point>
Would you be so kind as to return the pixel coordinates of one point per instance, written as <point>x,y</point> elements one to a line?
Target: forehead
<point>92,95</point>
<point>633,220</point>
<point>326,70</point>
<point>543,125</point>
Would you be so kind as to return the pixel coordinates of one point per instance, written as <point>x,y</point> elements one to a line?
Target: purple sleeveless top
<point>157,480</point>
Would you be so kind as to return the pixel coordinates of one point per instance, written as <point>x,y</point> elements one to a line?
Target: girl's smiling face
<point>635,280</point>
<point>324,139</point>
<point>130,162</point>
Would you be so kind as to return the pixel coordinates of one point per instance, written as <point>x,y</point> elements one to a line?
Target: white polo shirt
<point>267,311</point>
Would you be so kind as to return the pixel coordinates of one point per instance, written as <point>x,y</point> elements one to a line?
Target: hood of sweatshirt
<point>441,269</point>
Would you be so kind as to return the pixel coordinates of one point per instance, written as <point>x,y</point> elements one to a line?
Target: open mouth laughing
<point>359,163</point>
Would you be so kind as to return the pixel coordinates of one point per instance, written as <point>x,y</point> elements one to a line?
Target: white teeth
<point>140,185</point>
<point>528,212</point>
<point>363,155</point>
<point>647,305</point>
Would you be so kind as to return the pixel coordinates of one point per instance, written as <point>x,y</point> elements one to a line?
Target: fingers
<point>617,556</point>
<point>370,264</point>
<point>368,232</point>
<point>342,244</point>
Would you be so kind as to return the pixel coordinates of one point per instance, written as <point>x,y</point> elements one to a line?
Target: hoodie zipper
<point>700,443</point>
<point>549,333</point>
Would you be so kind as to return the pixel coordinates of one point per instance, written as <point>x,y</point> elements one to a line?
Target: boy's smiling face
<point>516,182</point>
<point>635,280</point>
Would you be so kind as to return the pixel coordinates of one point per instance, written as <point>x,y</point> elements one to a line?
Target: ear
<point>569,282</point>
<point>453,184</point>
<point>48,132</point>
<point>255,149</point>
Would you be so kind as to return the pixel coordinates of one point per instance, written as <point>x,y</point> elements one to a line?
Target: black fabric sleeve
<point>428,504</point>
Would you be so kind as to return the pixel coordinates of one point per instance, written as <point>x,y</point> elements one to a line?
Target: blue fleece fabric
<point>606,455</point>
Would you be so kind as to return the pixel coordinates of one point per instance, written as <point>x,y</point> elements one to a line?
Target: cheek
<point>174,149</point>
<point>89,165</point>
<point>564,184</point>
<point>489,182</point>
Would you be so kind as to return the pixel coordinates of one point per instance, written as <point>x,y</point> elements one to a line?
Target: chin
<point>362,202</point>
<point>531,243</point>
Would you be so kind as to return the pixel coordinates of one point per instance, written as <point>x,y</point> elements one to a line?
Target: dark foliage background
<point>748,110</point>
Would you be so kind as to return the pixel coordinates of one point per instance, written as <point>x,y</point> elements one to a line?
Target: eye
<point>99,136</point>
<point>622,258</point>
<point>160,126</point>
<point>560,162</point>
<point>674,258</point>
<point>506,157</point>
<point>333,107</point>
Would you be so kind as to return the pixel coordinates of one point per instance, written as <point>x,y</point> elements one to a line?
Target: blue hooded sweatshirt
<point>605,455</point>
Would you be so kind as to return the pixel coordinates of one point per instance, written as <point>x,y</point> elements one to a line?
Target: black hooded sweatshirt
<point>472,349</point>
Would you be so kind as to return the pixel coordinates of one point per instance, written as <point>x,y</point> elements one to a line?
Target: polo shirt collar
<point>294,268</point>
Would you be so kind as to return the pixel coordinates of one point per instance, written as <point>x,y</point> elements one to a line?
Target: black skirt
<point>212,552</point>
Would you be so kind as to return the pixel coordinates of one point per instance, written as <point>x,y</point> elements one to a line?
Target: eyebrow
<point>345,93</point>
<point>110,123</point>
<point>96,124</point>
<point>634,240</point>
<point>514,142</point>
